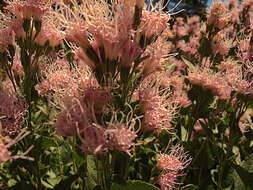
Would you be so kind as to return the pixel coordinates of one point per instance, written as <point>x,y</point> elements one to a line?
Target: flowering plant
<point>106,95</point>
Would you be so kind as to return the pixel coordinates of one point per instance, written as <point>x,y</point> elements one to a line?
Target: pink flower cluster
<point>173,165</point>
<point>156,105</point>
<point>78,119</point>
<point>12,112</point>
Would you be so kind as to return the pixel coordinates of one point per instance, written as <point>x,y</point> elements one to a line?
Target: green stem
<point>221,168</point>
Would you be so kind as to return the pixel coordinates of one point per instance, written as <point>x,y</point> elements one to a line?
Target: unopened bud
<point>26,24</point>
<point>12,50</point>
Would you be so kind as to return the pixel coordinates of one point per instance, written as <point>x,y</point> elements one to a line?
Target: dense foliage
<point>124,94</point>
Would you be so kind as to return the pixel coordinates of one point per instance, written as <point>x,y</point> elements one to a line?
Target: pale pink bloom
<point>168,181</point>
<point>12,112</point>
<point>7,34</point>
<point>73,118</point>
<point>180,21</point>
<point>220,44</point>
<point>158,52</point>
<point>182,31</point>
<point>175,161</point>
<point>228,64</point>
<point>59,80</point>
<point>193,20</point>
<point>129,53</point>
<point>17,67</point>
<point>62,81</point>
<point>49,33</point>
<point>183,101</point>
<point>157,120</point>
<point>168,34</point>
<point>244,45</point>
<point>209,80</point>
<point>93,139</point>
<point>247,4</point>
<point>97,98</point>
<point>77,33</point>
<point>120,137</point>
<point>153,23</point>
<point>156,104</point>
<point>173,164</point>
<point>218,15</point>
<point>110,28</point>
<point>17,27</point>
<point>30,8</point>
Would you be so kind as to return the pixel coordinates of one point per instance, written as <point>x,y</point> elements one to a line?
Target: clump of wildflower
<point>153,23</point>
<point>168,181</point>
<point>218,15</point>
<point>12,112</point>
<point>173,165</point>
<point>158,52</point>
<point>130,52</point>
<point>93,139</point>
<point>220,44</point>
<point>6,33</point>
<point>63,81</point>
<point>29,8</point>
<point>210,80</point>
<point>17,67</point>
<point>239,82</point>
<point>157,106</point>
<point>49,33</point>
<point>121,138</point>
<point>181,29</point>
<point>110,28</point>
<point>74,117</point>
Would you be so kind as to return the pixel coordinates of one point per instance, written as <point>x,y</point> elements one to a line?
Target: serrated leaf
<point>47,142</point>
<point>92,180</point>
<point>47,185</point>
<point>54,181</point>
<point>134,185</point>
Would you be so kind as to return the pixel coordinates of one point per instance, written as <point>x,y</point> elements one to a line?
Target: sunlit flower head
<point>173,164</point>
<point>29,8</point>
<point>218,15</point>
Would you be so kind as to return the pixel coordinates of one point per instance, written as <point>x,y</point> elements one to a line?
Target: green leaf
<point>188,63</point>
<point>54,181</point>
<point>92,180</point>
<point>43,108</point>
<point>47,185</point>
<point>245,175</point>
<point>134,185</point>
